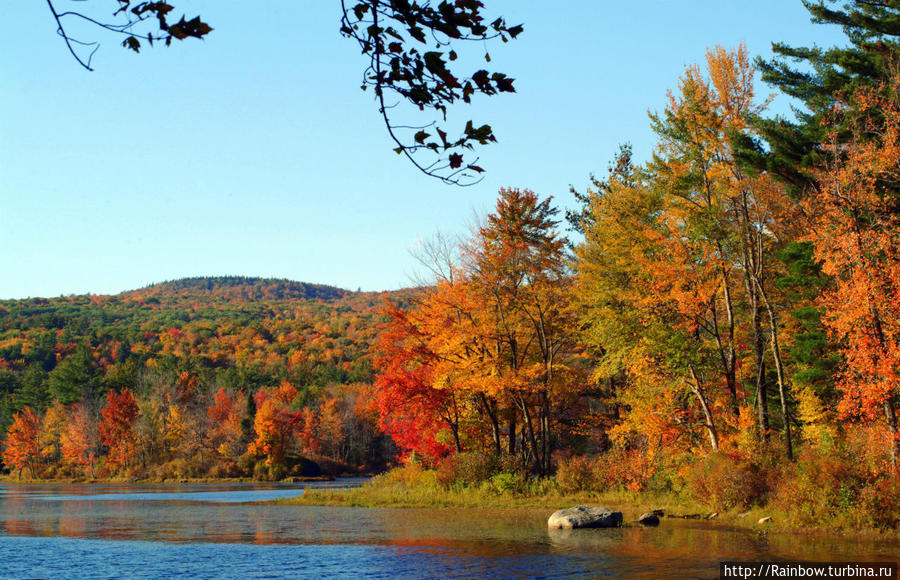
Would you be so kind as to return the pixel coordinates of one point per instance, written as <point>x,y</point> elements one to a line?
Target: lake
<point>216,531</point>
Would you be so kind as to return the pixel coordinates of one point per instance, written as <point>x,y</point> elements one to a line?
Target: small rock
<point>764,520</point>
<point>584,516</point>
<point>649,519</point>
<point>712,515</point>
<point>743,514</point>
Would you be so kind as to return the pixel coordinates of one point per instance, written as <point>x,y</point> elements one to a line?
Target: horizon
<point>244,279</point>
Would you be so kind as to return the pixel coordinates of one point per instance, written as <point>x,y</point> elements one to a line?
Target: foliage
<point>467,469</point>
<point>722,482</point>
<point>21,447</point>
<point>116,429</point>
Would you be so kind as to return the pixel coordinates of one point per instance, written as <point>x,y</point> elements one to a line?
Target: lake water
<point>214,531</point>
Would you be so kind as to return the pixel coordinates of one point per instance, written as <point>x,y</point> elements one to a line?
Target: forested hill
<point>243,334</point>
<point>237,288</point>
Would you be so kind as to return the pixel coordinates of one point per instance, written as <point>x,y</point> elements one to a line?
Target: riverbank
<point>414,488</point>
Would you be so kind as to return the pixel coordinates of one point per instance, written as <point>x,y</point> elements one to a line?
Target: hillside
<point>243,335</point>
<point>234,288</point>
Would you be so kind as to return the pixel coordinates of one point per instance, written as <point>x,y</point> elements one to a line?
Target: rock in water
<point>584,516</point>
<point>649,519</point>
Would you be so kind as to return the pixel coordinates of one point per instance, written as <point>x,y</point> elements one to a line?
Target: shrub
<point>509,483</point>
<point>821,486</point>
<point>409,475</point>
<point>578,473</point>
<point>723,482</point>
<point>468,469</point>
<point>246,463</point>
<point>879,502</point>
<point>276,471</point>
<point>224,469</point>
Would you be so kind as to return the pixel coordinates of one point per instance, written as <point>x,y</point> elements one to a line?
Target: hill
<point>244,335</point>
<point>237,288</point>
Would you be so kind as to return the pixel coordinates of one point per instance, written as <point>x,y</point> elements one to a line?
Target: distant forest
<point>179,348</point>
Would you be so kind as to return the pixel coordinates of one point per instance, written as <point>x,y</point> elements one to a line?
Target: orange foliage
<point>116,427</point>
<point>78,440</point>
<point>21,447</point>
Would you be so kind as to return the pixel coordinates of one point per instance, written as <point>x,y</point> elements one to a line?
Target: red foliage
<point>408,407</point>
<point>117,420</point>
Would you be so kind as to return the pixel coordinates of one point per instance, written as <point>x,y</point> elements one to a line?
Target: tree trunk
<point>697,387</point>
<point>491,410</point>
<point>545,428</point>
<point>512,431</point>
<point>762,391</point>
<point>779,372</point>
<point>532,440</point>
<point>890,416</point>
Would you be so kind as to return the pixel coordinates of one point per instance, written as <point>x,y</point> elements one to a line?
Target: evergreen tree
<point>817,77</point>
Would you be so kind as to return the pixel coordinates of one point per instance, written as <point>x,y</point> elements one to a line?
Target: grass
<point>412,487</point>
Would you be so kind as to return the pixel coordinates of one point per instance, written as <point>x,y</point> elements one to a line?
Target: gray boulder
<point>649,519</point>
<point>584,516</point>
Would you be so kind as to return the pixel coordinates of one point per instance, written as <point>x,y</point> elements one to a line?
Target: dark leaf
<point>132,43</point>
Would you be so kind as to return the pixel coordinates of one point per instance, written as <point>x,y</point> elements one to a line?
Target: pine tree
<point>817,78</point>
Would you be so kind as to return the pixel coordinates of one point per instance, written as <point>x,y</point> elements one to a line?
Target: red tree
<point>116,427</point>
<point>409,409</point>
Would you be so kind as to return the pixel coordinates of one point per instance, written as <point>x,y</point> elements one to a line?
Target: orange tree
<point>116,428</point>
<point>855,227</point>
<point>21,447</point>
<point>490,343</point>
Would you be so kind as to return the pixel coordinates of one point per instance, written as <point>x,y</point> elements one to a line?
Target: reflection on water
<point>213,531</point>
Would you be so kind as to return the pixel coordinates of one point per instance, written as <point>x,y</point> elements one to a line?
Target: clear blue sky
<point>255,153</point>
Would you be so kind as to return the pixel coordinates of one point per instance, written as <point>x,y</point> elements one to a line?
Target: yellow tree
<point>52,427</point>
<point>667,248</point>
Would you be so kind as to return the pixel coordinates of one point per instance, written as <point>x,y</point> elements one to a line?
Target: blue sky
<point>255,153</point>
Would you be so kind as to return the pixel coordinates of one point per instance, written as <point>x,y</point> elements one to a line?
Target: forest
<point>178,379</point>
<point>721,321</point>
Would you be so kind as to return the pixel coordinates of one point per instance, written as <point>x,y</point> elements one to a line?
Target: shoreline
<point>400,496</point>
<point>632,505</point>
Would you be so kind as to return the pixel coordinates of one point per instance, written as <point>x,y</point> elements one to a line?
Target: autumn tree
<point>80,439</point>
<point>684,248</point>
<point>330,427</point>
<point>856,233</point>
<point>225,417</point>
<point>21,448</point>
<point>53,426</point>
<point>274,423</point>
<point>116,429</point>
<point>517,266</point>
<point>492,339</point>
<point>410,408</point>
